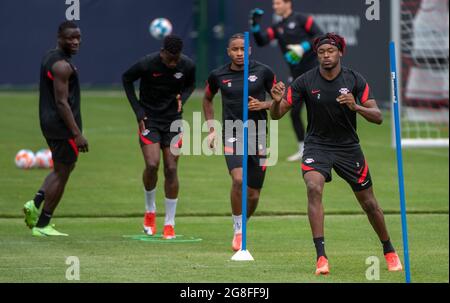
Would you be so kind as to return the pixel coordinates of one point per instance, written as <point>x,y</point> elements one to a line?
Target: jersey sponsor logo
<point>309,161</point>
<point>292,25</point>
<point>178,75</point>
<point>156,75</point>
<point>253,78</point>
<point>344,91</point>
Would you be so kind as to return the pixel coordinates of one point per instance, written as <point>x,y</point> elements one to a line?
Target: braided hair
<point>330,38</point>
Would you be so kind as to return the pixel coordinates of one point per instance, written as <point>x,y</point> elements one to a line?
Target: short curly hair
<point>65,25</point>
<point>173,44</point>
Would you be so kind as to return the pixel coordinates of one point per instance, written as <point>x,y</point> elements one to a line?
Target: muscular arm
<point>279,109</point>
<point>208,109</point>
<point>62,72</point>
<point>370,111</point>
<point>280,106</point>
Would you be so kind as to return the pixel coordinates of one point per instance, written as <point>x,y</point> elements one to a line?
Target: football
<point>160,28</point>
<point>25,158</point>
<point>44,158</point>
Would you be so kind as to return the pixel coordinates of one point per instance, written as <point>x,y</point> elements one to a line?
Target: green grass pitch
<point>104,201</point>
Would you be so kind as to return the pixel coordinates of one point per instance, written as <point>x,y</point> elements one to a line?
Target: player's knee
<point>370,207</point>
<point>151,166</point>
<point>237,182</point>
<point>253,195</point>
<point>63,170</point>
<point>314,188</point>
<point>170,172</point>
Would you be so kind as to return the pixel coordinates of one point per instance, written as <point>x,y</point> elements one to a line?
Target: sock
<point>171,208</point>
<point>320,247</point>
<point>150,198</point>
<point>44,219</point>
<point>300,147</point>
<point>237,224</point>
<point>387,246</point>
<point>38,199</point>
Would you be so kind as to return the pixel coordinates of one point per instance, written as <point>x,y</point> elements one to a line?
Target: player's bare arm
<point>208,110</point>
<point>62,72</point>
<point>369,110</point>
<point>256,105</point>
<point>279,105</point>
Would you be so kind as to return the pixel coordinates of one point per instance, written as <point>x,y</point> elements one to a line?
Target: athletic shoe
<point>150,224</point>
<point>237,242</point>
<point>393,262</point>
<point>322,266</point>
<point>45,231</point>
<point>31,214</point>
<point>295,157</point>
<point>168,232</point>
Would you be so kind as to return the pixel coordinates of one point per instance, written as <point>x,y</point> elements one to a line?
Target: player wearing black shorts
<point>334,95</point>
<point>167,80</point>
<point>60,120</point>
<point>229,80</point>
<point>294,33</point>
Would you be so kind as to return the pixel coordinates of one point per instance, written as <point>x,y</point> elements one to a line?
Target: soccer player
<point>334,95</point>
<point>229,79</point>
<point>60,120</point>
<point>167,80</point>
<point>294,33</point>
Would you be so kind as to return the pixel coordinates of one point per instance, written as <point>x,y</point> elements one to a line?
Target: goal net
<point>420,30</point>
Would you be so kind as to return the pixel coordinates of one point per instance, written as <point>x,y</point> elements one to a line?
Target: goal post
<point>420,30</point>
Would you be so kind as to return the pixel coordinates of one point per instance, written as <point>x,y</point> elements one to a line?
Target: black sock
<point>320,247</point>
<point>387,246</point>
<point>44,219</point>
<point>38,199</point>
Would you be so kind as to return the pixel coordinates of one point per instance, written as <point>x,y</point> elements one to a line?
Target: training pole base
<point>242,255</point>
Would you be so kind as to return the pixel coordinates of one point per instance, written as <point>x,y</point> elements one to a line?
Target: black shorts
<point>63,150</point>
<point>256,168</point>
<point>157,132</point>
<point>349,164</point>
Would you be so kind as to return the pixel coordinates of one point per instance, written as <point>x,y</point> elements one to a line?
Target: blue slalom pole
<point>398,141</point>
<point>245,144</point>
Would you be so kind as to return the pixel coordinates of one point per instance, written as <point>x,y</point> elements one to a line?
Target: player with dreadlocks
<point>334,95</point>
<point>167,80</point>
